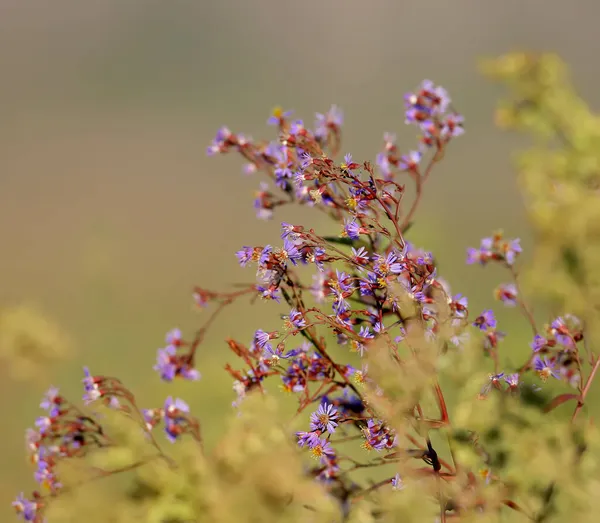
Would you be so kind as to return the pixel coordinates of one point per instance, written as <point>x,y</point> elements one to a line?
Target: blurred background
<point>110,211</point>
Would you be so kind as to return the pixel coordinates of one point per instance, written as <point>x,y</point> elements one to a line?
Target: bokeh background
<point>110,210</point>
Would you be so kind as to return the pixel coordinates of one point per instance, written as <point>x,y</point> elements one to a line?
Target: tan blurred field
<point>110,210</point>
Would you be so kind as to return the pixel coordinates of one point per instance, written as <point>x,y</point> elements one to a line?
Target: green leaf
<point>337,239</point>
<point>559,400</point>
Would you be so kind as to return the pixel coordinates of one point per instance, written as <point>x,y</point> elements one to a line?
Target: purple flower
<point>397,483</point>
<point>219,143</point>
<point>459,305</point>
<point>278,352</point>
<point>261,338</point>
<point>511,250</point>
<point>410,161</point>
<point>333,119</point>
<point>165,363</point>
<point>485,321</point>
<point>26,508</point>
<point>507,294</point>
<point>343,282</point>
<point>296,319</point>
<point>269,293</point>
<point>43,423</point>
<point>351,229</point>
<point>389,264</point>
<point>44,475</point>
<point>245,255</point>
<point>92,391</point>
<point>545,368</point>
<point>174,406</point>
<point>538,343</point>
<point>290,251</point>
<point>319,256</point>
<point>296,127</point>
<point>481,255</point>
<point>452,125</point>
<point>378,436</point>
<point>324,418</point>
<point>307,438</point>
<point>561,332</point>
<point>320,448</point>
<point>493,381</point>
<point>169,365</point>
<point>347,164</point>
<point>175,411</point>
<point>51,401</point>
<point>360,256</point>
<point>512,380</point>
<point>173,338</point>
<point>290,231</point>
<point>278,115</point>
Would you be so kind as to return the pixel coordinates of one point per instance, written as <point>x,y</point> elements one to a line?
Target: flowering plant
<point>375,294</point>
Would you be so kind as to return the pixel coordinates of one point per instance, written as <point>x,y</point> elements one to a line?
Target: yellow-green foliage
<point>29,341</point>
<point>560,179</point>
<point>546,465</point>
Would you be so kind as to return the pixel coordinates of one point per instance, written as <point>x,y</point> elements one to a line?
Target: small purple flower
<point>545,368</point>
<point>347,164</point>
<point>92,391</point>
<point>269,293</point>
<point>44,474</point>
<point>410,161</point>
<point>218,145</point>
<point>307,438</point>
<point>493,381</point>
<point>26,508</point>
<point>175,411</point>
<point>173,338</point>
<point>265,256</point>
<point>290,231</point>
<point>397,483</point>
<point>43,423</point>
<point>485,321</point>
<point>389,264</point>
<point>296,319</point>
<point>360,256</point>
<point>278,115</point>
<point>319,256</point>
<point>512,380</point>
<point>279,352</point>
<point>561,332</point>
<point>351,229</point>
<point>173,406</point>
<point>459,305</point>
<point>296,127</point>
<point>452,125</point>
<point>481,255</point>
<point>320,448</point>
<point>245,255</point>
<point>324,418</point>
<point>290,251</point>
<point>170,365</point>
<point>262,338</point>
<point>165,363</point>
<point>538,343</point>
<point>333,119</point>
<point>511,250</point>
<point>507,294</point>
<point>51,401</point>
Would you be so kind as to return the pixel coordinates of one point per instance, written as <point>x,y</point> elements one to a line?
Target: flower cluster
<point>364,281</point>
